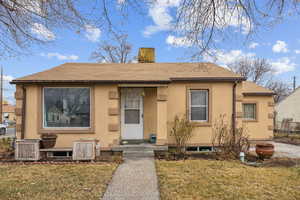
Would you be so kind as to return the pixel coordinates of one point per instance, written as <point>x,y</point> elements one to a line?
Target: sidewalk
<point>135,178</point>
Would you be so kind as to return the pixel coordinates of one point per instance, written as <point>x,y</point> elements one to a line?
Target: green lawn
<point>224,180</point>
<point>55,182</point>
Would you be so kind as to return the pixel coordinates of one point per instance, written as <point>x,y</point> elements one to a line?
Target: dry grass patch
<point>225,180</point>
<point>54,182</point>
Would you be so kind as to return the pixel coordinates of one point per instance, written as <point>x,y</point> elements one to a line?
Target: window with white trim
<point>198,110</point>
<point>249,111</point>
<point>66,107</point>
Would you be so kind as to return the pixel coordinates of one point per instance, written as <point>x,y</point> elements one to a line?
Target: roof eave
<point>209,79</point>
<point>86,81</point>
<point>259,93</point>
<point>198,79</point>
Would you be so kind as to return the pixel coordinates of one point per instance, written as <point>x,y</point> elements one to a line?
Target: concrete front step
<point>130,154</point>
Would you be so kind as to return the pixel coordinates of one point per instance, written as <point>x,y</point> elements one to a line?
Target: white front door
<point>132,113</point>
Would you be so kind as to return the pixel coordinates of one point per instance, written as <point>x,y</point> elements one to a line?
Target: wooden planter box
<point>27,149</point>
<point>84,149</point>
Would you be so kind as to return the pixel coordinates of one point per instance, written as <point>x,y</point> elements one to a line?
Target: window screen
<point>132,107</point>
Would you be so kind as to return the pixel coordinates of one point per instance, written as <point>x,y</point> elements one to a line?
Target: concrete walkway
<point>135,178</point>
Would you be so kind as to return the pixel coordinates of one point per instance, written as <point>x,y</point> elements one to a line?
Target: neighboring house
<point>115,102</point>
<point>8,113</point>
<point>288,111</point>
<point>56,116</point>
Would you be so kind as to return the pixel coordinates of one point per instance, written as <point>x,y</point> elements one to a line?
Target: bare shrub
<point>181,130</point>
<point>228,143</point>
<point>5,145</point>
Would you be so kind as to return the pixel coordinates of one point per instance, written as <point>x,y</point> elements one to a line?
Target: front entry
<point>132,113</point>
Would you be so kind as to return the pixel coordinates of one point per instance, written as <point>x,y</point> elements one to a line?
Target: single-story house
<point>117,102</point>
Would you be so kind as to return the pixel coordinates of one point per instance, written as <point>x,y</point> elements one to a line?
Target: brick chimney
<point>146,55</point>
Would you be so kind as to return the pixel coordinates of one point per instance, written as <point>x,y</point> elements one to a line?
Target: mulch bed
<point>250,158</point>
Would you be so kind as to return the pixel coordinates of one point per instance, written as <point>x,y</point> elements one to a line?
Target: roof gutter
<point>233,123</point>
<point>23,113</point>
<point>196,79</point>
<point>210,79</point>
<point>89,81</point>
<point>259,93</point>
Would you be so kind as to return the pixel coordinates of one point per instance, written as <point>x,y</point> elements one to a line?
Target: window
<point>249,111</point>
<point>199,105</point>
<point>132,107</point>
<point>66,107</point>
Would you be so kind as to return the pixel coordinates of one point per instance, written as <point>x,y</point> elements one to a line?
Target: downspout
<point>234,109</point>
<point>23,113</point>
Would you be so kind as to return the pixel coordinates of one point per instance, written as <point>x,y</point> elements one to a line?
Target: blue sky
<point>280,45</point>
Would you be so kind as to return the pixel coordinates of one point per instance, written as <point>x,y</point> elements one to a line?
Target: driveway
<point>286,150</point>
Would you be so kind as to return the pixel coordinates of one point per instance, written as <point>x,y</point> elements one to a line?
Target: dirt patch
<point>288,140</point>
<point>251,157</point>
<point>167,155</point>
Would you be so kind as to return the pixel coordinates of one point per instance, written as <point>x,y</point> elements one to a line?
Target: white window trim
<point>198,106</point>
<point>65,128</point>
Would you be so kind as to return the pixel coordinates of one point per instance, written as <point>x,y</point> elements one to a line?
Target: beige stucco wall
<point>150,112</point>
<point>100,123</point>
<point>262,128</point>
<point>161,105</point>
<point>220,103</point>
<point>32,106</point>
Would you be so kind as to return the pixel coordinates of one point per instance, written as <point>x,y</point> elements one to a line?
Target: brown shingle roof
<point>250,88</point>
<point>134,72</point>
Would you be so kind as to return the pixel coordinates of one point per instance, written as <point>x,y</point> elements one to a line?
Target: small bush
<point>181,130</point>
<point>5,145</point>
<point>227,143</point>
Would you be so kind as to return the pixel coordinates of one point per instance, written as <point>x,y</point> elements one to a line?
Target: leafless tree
<point>22,21</point>
<point>203,21</point>
<point>199,21</point>
<point>260,71</point>
<point>256,70</point>
<point>280,88</point>
<point>117,50</point>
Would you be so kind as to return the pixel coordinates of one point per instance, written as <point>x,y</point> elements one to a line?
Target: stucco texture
<point>161,104</point>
